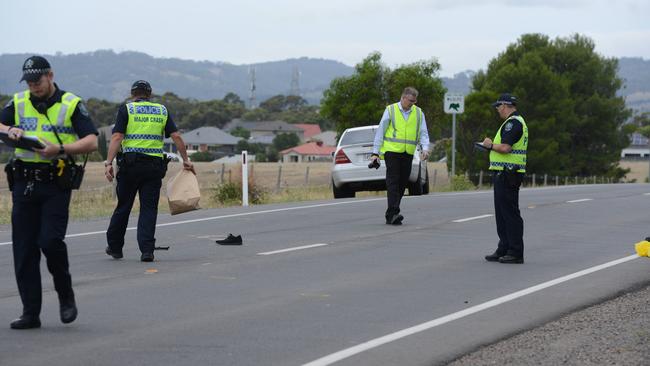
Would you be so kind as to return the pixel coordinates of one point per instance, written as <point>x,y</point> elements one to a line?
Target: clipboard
<point>480,146</point>
<point>25,142</point>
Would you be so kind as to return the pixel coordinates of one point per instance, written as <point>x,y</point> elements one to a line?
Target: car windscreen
<point>358,137</point>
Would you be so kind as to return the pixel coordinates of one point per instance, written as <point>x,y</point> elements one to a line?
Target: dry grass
<point>297,182</point>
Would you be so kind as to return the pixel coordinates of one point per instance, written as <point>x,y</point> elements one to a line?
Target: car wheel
<point>343,192</point>
<point>415,188</point>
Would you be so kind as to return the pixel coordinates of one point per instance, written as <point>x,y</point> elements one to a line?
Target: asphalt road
<point>354,291</point>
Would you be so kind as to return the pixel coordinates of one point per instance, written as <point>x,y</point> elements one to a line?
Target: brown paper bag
<point>183,192</point>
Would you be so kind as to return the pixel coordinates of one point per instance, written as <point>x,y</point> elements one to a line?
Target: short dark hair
<point>141,87</point>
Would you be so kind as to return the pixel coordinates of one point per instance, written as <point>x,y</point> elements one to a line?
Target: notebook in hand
<point>25,142</point>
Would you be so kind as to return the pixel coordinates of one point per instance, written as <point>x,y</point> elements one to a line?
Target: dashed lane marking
<point>294,248</point>
<point>473,218</point>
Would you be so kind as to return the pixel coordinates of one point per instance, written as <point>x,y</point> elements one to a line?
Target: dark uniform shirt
<point>122,118</point>
<point>512,130</point>
<point>81,121</point>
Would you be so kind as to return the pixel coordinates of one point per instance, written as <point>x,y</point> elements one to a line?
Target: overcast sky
<point>461,34</point>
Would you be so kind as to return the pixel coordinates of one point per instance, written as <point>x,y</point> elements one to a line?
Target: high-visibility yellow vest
<point>402,135</point>
<point>145,128</point>
<point>59,117</point>
<point>517,157</point>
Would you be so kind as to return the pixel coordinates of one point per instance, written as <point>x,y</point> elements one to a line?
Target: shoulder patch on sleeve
<point>83,110</point>
<point>508,126</point>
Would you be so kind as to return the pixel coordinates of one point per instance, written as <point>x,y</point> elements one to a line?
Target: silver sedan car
<point>350,172</point>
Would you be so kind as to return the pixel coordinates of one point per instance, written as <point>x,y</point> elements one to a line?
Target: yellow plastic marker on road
<point>642,248</point>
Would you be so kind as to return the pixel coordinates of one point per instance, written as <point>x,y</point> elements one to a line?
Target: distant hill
<point>635,73</point>
<point>108,75</point>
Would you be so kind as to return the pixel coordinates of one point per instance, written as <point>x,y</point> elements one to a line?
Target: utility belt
<point>64,172</point>
<point>39,172</point>
<point>132,160</point>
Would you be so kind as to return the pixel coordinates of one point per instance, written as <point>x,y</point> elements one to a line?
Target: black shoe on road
<point>114,253</point>
<point>230,240</point>
<point>26,322</point>
<point>395,220</point>
<point>510,259</point>
<point>146,257</point>
<point>494,257</point>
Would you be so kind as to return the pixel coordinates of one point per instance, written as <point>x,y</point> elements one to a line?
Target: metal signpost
<point>244,178</point>
<point>454,104</point>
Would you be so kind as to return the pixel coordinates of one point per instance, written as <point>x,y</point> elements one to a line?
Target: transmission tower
<point>251,100</point>
<point>295,82</point>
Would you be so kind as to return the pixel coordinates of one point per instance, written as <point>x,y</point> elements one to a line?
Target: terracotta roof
<point>310,129</point>
<point>311,148</point>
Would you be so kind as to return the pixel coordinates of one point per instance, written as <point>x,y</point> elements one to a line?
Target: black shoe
<point>67,309</point>
<point>114,253</point>
<point>230,240</point>
<point>647,238</point>
<point>26,322</point>
<point>494,257</point>
<point>511,259</point>
<point>146,257</point>
<point>395,220</point>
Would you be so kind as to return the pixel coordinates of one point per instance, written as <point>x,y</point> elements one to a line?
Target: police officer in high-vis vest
<point>39,216</point>
<point>401,129</point>
<point>140,127</point>
<point>508,162</point>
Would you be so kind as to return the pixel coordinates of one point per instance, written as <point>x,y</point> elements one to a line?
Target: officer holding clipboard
<point>45,125</point>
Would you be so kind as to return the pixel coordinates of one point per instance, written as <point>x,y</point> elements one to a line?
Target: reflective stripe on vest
<point>145,128</point>
<point>402,135</point>
<point>516,159</point>
<point>37,124</point>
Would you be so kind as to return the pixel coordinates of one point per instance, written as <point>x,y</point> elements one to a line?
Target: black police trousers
<point>510,225</point>
<point>142,177</point>
<point>39,222</point>
<point>398,170</point>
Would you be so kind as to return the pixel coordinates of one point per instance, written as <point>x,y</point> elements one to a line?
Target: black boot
<point>67,308</point>
<point>26,322</point>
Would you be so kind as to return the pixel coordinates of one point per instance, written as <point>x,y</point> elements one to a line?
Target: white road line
<point>580,200</point>
<point>294,248</point>
<point>228,216</point>
<point>473,218</point>
<point>646,194</point>
<point>340,355</point>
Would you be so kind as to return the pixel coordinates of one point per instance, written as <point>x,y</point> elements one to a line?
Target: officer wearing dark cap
<point>508,162</point>
<point>39,216</point>
<point>140,127</point>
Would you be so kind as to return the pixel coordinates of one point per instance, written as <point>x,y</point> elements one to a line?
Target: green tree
<point>567,94</point>
<point>232,98</point>
<point>360,99</point>
<point>240,131</point>
<point>285,141</point>
<point>640,123</point>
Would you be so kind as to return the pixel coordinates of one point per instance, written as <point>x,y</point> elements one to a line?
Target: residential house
<point>310,151</point>
<point>206,139</point>
<point>327,137</point>
<point>309,129</point>
<point>268,129</point>
<point>638,148</point>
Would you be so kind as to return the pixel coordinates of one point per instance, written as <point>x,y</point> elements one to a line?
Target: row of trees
<point>567,93</point>
<point>190,114</point>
